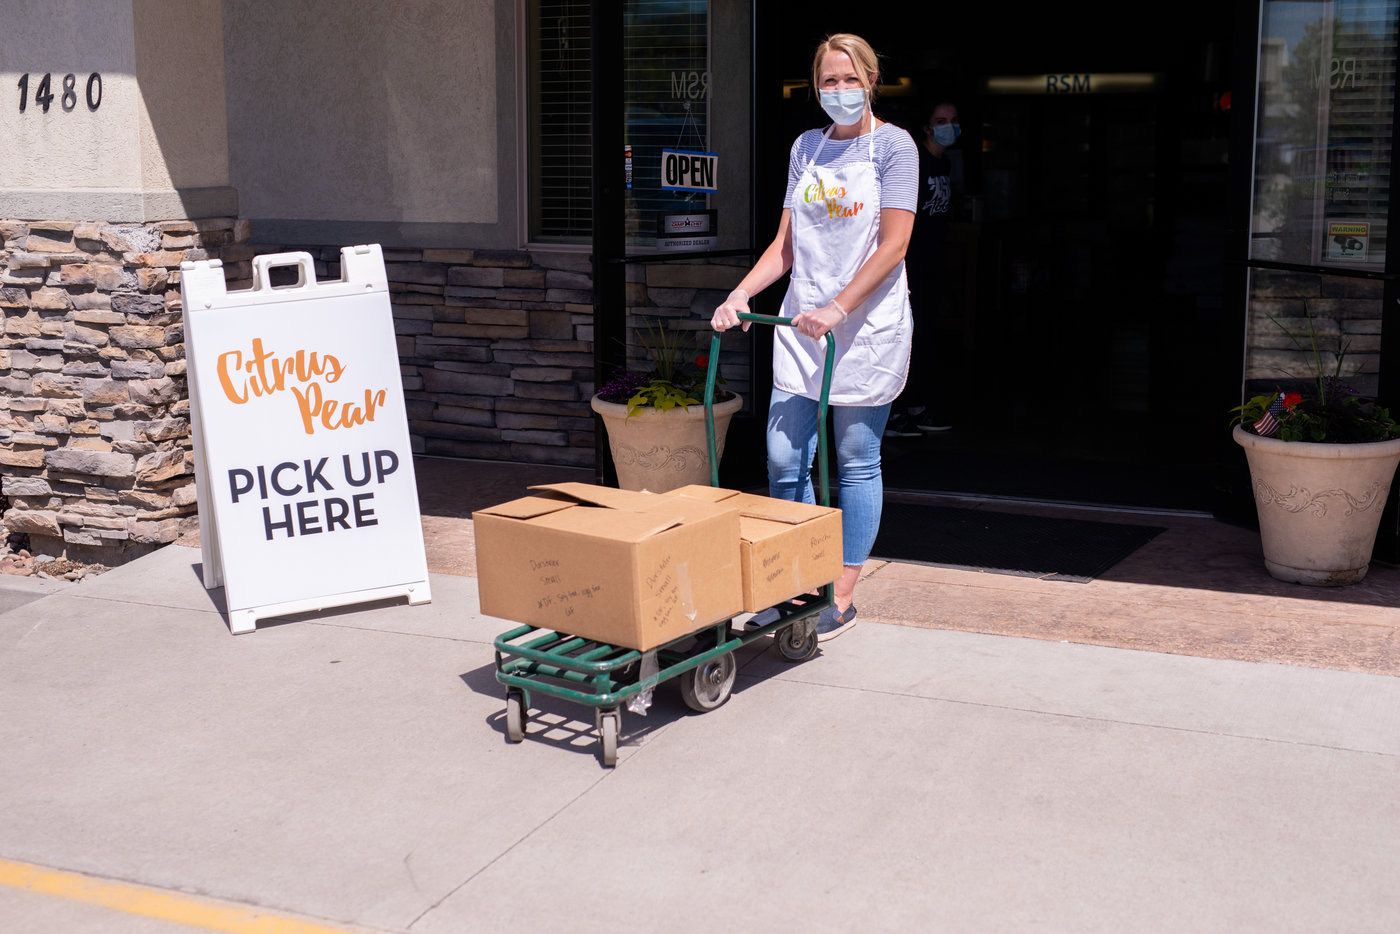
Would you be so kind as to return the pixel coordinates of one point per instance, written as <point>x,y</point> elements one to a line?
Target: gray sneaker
<point>831,623</point>
<point>901,425</point>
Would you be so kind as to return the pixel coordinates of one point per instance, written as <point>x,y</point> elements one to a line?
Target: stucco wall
<point>77,148</point>
<point>179,61</point>
<point>156,145</point>
<point>362,111</point>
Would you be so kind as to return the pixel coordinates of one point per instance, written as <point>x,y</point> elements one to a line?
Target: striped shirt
<point>896,162</point>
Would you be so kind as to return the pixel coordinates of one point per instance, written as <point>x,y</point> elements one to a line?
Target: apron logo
<point>832,196</point>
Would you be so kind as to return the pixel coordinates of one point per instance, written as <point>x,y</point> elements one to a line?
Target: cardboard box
<point>633,569</point>
<point>786,548</point>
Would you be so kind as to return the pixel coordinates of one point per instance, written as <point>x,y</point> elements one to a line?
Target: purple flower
<point>622,386</point>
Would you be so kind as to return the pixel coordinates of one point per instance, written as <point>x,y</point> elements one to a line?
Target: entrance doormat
<point>1007,543</point>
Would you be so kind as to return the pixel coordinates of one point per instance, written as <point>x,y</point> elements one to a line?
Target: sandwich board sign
<point>304,472</point>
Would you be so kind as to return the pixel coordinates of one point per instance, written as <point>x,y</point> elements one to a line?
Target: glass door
<point>1319,266</point>
<point>673,91</point>
<point>1321,211</point>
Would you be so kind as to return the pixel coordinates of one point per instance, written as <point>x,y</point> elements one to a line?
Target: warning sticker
<point>1348,241</point>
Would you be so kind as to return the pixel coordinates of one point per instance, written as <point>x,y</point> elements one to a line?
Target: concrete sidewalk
<point>351,767</point>
<point>1199,588</point>
<point>16,591</point>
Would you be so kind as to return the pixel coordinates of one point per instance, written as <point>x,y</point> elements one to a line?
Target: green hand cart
<point>531,660</point>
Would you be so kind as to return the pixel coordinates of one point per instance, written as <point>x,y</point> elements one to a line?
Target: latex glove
<point>817,322</point>
<point>727,314</point>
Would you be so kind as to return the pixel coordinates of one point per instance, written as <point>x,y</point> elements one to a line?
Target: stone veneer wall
<point>496,351</point>
<point>1341,308</point>
<point>95,448</point>
<point>682,297</point>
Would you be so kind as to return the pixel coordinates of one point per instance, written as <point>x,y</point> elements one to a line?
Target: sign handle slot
<point>263,266</point>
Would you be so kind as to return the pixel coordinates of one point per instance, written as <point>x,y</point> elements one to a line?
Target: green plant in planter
<point>1330,410</point>
<point>672,381</point>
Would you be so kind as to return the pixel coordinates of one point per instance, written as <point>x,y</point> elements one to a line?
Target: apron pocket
<point>888,309</point>
<point>881,327</point>
<point>879,337</point>
<point>812,294</point>
<point>806,293</point>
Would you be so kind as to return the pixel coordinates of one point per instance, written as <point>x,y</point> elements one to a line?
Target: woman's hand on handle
<point>771,266</point>
<point>817,322</point>
<point>727,314</point>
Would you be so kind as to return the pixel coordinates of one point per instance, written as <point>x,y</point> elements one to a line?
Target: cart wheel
<point>797,641</point>
<point>609,725</point>
<point>708,686</point>
<point>516,715</point>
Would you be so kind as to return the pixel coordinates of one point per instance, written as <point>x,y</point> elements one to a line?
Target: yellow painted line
<point>133,899</point>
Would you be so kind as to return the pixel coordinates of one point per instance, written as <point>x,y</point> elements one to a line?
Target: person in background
<point>918,409</point>
<point>852,190</point>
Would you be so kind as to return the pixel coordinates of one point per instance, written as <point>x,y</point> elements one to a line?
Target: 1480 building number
<point>67,94</point>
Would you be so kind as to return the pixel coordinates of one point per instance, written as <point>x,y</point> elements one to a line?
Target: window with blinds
<point>1327,73</point>
<point>560,121</point>
<point>667,93</point>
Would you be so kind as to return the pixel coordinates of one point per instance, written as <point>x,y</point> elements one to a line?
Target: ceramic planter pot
<point>1319,505</point>
<point>660,451</point>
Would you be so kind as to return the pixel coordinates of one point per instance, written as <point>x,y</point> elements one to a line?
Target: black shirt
<point>935,206</point>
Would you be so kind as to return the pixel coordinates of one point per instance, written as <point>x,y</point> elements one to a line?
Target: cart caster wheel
<point>797,642</point>
<point>516,715</point>
<point>708,686</point>
<point>609,725</point>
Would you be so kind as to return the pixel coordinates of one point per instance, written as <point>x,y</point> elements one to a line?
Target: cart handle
<point>823,460</point>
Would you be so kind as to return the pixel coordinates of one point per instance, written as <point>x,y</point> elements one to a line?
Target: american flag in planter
<point>1267,424</point>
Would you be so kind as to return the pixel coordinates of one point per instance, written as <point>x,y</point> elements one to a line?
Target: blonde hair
<point>862,56</point>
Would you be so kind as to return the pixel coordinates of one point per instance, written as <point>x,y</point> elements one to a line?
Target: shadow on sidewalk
<point>570,726</point>
<point>216,596</point>
<point>457,488</point>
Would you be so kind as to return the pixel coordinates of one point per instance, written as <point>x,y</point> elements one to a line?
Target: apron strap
<point>826,135</point>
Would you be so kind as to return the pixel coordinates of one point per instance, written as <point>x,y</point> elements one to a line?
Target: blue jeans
<point>792,444</point>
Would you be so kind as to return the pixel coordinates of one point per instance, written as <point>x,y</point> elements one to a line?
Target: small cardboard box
<point>632,569</point>
<point>786,548</point>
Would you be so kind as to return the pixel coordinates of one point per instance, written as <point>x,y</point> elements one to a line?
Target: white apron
<point>835,228</point>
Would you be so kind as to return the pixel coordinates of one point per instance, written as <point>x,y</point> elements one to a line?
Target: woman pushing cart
<point>852,192</point>
<point>844,334</point>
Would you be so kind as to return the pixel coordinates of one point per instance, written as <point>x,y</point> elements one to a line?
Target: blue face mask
<point>946,134</point>
<point>846,106</point>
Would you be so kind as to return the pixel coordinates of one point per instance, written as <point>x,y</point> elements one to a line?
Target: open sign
<point>688,171</point>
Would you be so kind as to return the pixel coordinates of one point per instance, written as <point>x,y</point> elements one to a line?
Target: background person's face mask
<point>946,134</point>
<point>846,106</point>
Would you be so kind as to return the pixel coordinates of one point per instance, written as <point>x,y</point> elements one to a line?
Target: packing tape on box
<point>639,702</point>
<point>687,594</point>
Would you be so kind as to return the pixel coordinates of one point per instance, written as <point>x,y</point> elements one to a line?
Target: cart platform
<point>531,660</point>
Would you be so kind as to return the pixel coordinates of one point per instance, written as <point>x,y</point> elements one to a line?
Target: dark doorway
<point>1081,325</point>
